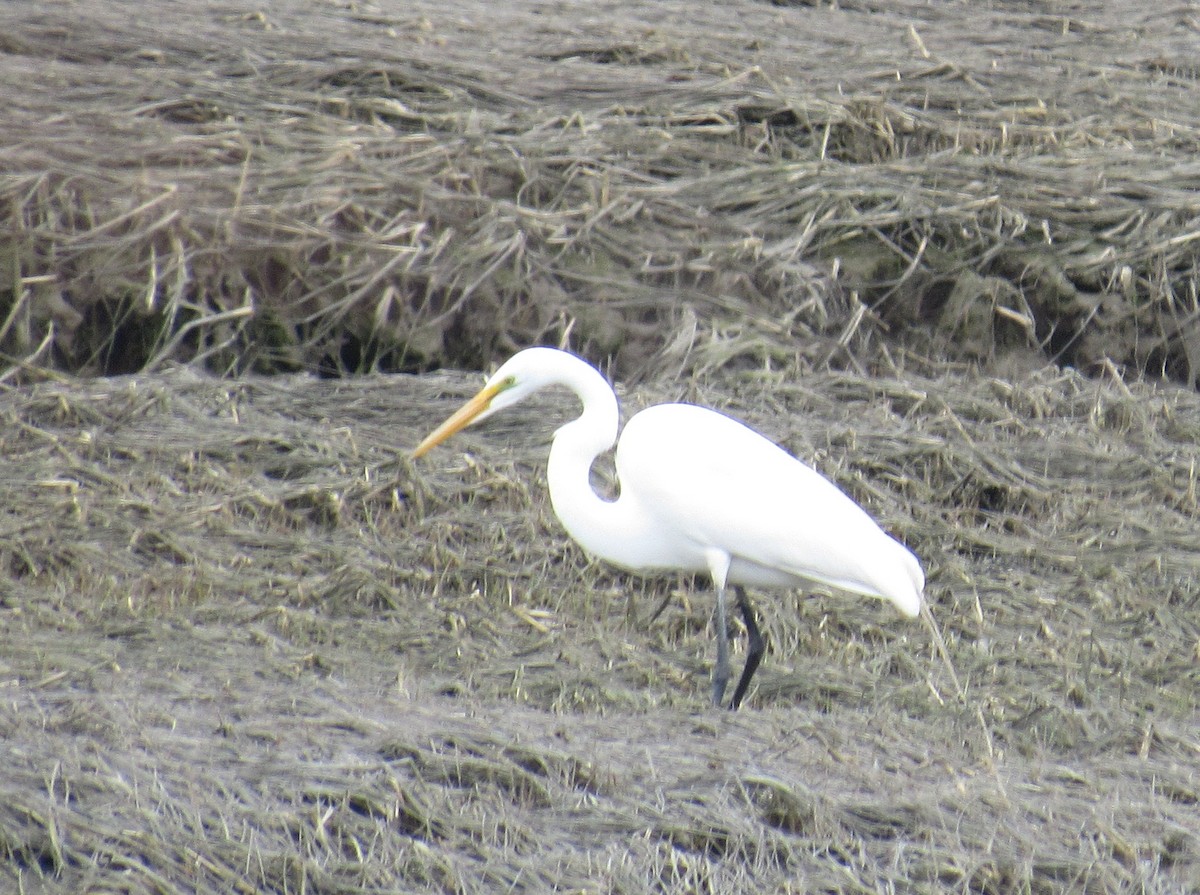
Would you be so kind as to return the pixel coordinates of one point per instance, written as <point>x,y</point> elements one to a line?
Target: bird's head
<point>518,378</point>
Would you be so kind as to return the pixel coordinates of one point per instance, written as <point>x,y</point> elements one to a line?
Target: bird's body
<point>799,528</point>
<point>699,493</point>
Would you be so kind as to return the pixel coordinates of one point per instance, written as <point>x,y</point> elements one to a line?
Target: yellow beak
<point>461,418</point>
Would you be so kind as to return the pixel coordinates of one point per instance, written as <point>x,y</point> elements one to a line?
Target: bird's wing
<point>721,484</point>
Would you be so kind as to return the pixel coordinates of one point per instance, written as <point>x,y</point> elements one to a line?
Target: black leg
<point>754,648</point>
<point>720,677</point>
<point>659,610</point>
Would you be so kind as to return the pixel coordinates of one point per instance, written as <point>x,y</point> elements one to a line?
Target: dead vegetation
<point>357,186</point>
<point>250,648</point>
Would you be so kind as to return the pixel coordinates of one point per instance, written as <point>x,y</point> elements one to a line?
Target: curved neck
<point>596,524</point>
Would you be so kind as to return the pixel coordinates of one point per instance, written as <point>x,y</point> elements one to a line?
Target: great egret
<point>699,492</point>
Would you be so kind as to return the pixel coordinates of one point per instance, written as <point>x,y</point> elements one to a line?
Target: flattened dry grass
<point>251,648</point>
<point>323,186</point>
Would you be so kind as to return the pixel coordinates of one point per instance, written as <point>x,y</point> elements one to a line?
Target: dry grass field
<point>944,252</point>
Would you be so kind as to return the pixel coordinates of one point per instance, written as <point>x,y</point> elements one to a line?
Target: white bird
<point>699,493</point>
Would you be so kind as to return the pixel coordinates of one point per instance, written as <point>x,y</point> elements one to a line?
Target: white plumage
<point>699,492</point>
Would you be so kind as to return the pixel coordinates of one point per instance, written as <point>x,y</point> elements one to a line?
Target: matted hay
<point>304,185</point>
<point>250,647</point>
